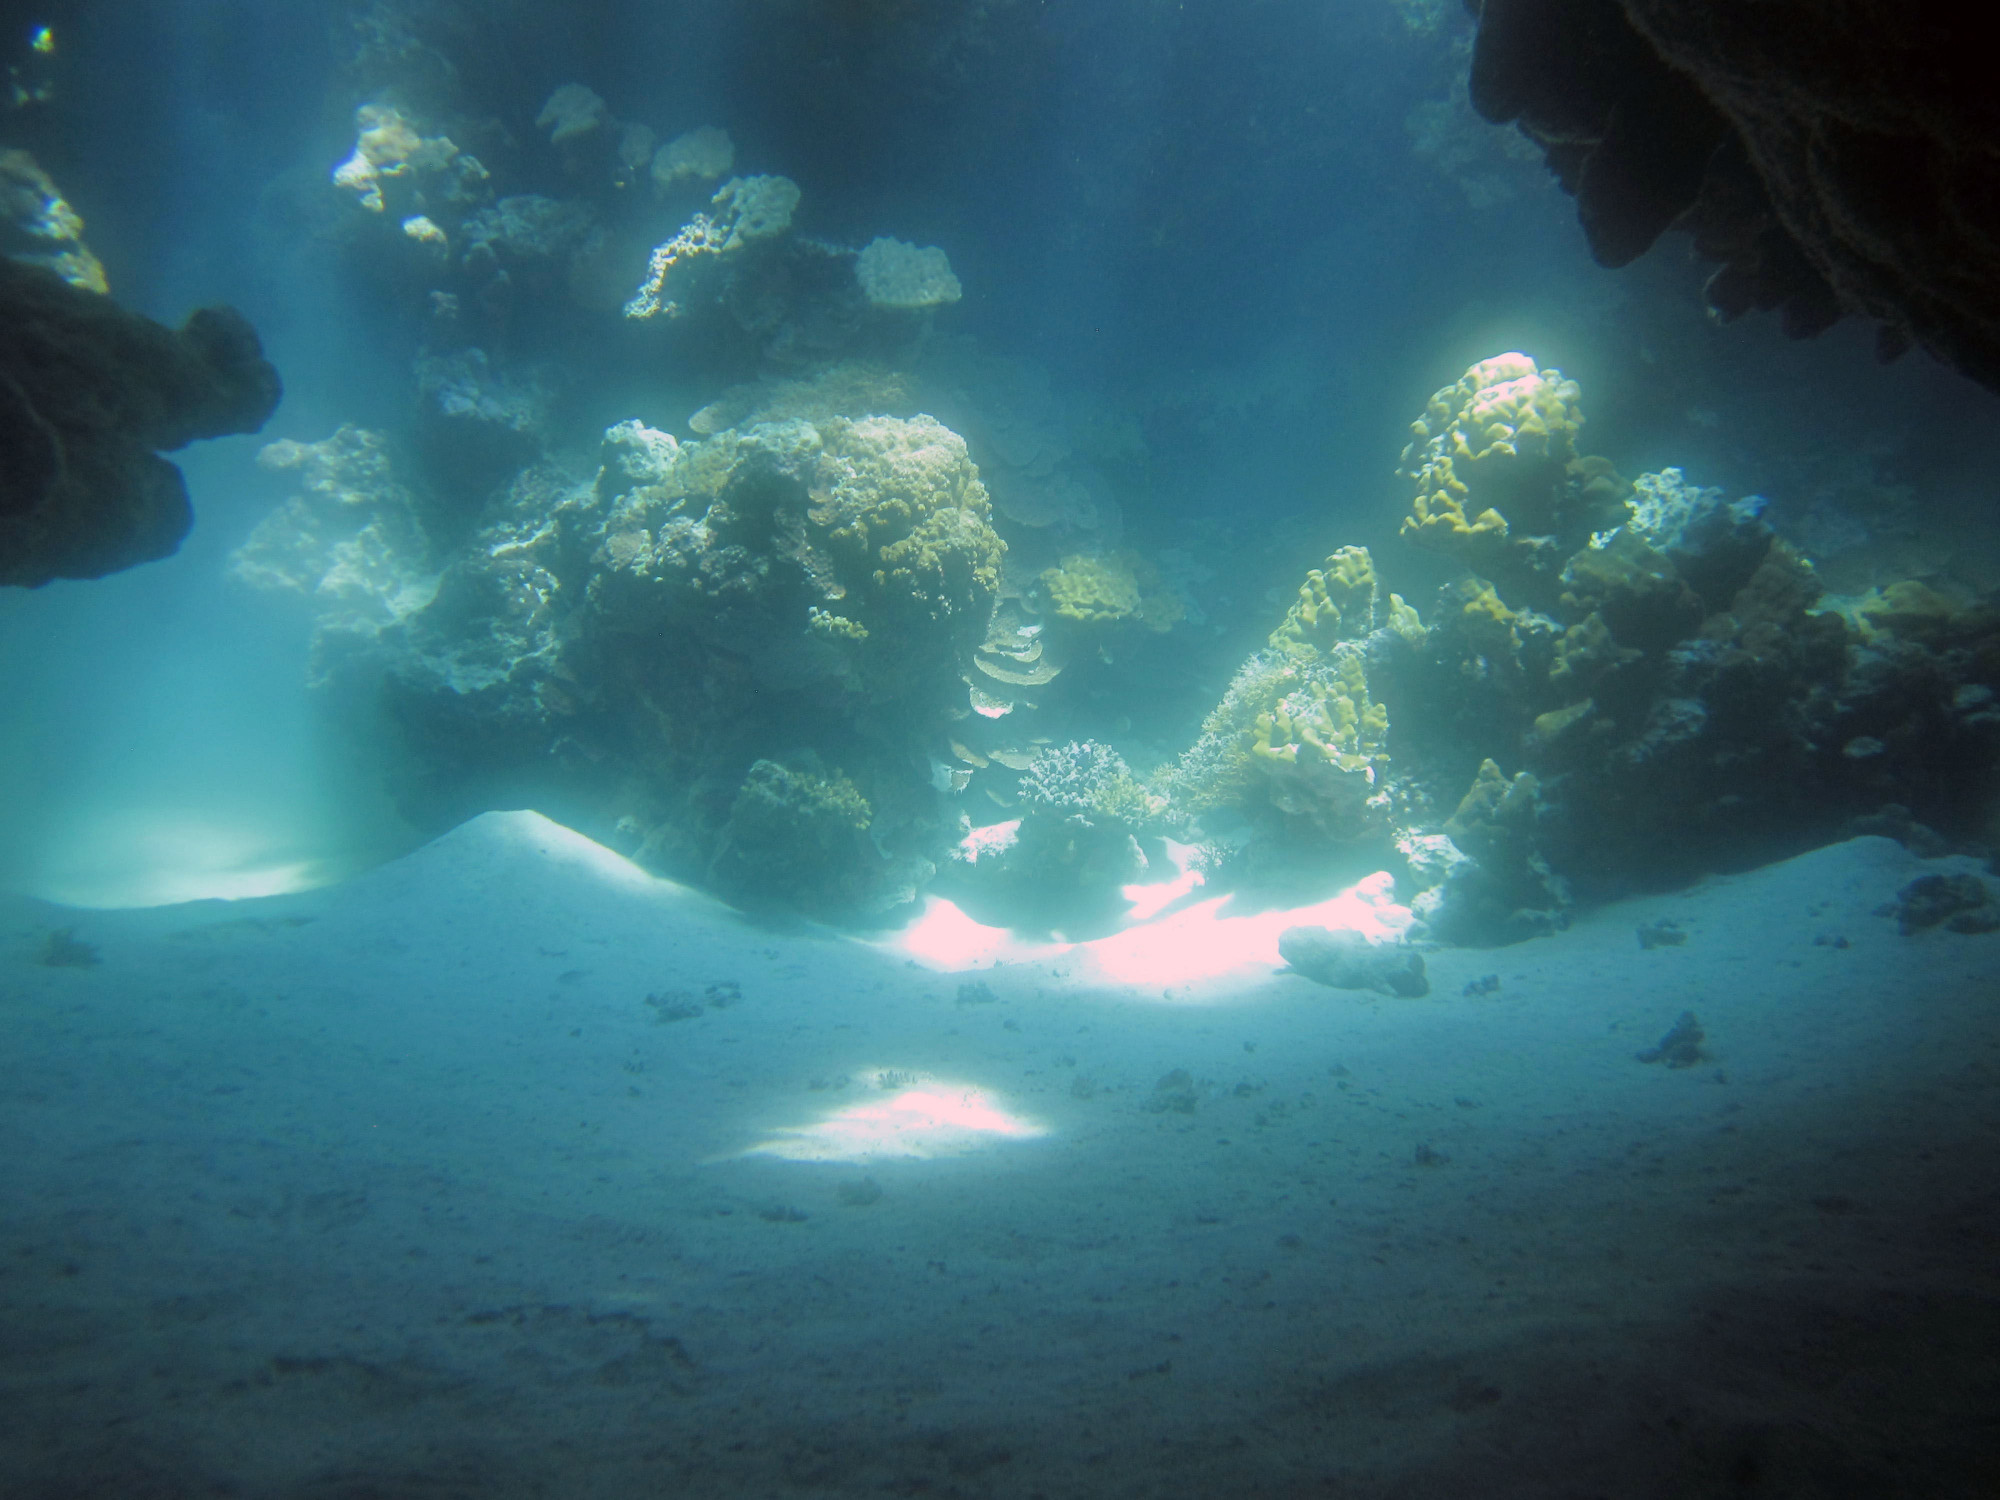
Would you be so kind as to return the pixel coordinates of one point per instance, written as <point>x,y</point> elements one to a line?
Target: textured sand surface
<point>402,1188</point>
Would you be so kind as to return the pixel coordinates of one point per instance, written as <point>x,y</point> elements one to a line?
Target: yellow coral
<point>1406,622</point>
<point>1331,713</point>
<point>1090,589</point>
<point>1335,603</point>
<point>1491,627</point>
<point>1102,590</point>
<point>1488,460</point>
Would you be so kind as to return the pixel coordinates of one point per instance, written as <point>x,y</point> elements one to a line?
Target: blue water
<point>1258,234</point>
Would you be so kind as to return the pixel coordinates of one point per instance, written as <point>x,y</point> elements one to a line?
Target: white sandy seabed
<point>402,1189</point>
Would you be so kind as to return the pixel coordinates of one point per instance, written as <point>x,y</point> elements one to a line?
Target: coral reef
<point>1665,665</point>
<point>723,648</point>
<point>90,395</point>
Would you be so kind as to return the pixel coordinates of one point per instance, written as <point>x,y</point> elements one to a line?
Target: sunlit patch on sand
<point>1203,941</point>
<point>904,1115</point>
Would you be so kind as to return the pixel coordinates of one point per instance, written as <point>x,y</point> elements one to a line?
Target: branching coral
<point>1089,784</point>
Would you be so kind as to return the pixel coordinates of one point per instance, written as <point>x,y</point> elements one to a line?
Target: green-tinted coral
<point>1092,590</point>
<point>795,836</point>
<point>1495,475</point>
<point>1335,603</point>
<point>1216,770</point>
<point>1496,814</point>
<point>1328,716</point>
<point>904,512</point>
<point>1492,629</point>
<point>1584,653</point>
<point>1634,587</point>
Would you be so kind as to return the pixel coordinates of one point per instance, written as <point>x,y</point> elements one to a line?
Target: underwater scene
<point>998,748</point>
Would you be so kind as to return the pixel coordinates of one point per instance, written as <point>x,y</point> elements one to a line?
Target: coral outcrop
<point>90,395</point>
<point>1494,467</point>
<point>1663,663</point>
<point>729,656</point>
<point>1833,160</point>
<point>1298,735</point>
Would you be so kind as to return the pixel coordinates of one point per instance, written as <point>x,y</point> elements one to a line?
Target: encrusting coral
<point>747,210</point>
<point>1090,590</point>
